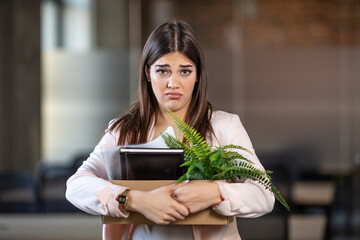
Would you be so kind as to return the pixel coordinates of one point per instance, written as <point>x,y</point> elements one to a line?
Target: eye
<point>161,71</point>
<point>186,72</point>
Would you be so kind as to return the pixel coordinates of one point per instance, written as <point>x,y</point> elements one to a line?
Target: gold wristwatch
<point>123,200</point>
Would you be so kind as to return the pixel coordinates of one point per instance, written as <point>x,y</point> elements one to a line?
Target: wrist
<point>217,199</point>
<point>123,200</point>
<point>132,204</point>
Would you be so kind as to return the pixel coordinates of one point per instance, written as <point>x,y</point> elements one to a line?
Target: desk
<point>347,174</point>
<point>306,227</point>
<point>313,193</point>
<point>318,194</point>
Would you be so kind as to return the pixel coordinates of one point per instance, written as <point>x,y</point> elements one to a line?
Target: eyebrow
<point>167,65</point>
<point>186,66</point>
<point>162,65</point>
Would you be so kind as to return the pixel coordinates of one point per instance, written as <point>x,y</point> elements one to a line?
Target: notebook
<point>151,163</point>
<point>147,161</point>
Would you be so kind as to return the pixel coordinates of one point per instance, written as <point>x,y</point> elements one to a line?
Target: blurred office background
<point>290,69</point>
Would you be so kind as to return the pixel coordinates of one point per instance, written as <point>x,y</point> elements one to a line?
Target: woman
<point>172,76</point>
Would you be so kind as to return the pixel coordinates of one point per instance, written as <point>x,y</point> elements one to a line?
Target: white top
<point>88,189</point>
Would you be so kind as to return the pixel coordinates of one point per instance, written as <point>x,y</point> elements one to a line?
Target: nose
<point>173,82</point>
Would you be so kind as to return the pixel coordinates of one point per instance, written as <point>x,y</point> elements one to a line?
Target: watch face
<point>122,199</point>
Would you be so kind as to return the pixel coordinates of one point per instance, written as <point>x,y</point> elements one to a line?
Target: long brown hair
<point>176,36</point>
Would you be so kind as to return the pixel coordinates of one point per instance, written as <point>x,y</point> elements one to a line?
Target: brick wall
<point>274,23</point>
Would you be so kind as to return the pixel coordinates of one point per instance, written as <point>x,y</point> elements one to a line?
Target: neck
<point>164,118</point>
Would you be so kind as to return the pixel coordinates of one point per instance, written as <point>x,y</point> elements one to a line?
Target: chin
<point>175,108</point>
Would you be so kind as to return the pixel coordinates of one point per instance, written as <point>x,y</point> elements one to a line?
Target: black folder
<point>151,163</point>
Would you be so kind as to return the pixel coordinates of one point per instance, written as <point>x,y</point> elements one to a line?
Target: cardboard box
<point>205,217</point>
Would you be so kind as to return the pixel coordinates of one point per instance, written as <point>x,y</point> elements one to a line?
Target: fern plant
<point>206,162</point>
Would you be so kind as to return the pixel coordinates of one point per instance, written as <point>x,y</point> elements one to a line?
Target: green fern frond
<point>215,155</point>
<point>279,197</point>
<point>232,146</point>
<point>186,163</point>
<point>235,155</point>
<point>205,162</point>
<point>172,142</point>
<point>182,178</point>
<point>196,175</point>
<point>196,141</point>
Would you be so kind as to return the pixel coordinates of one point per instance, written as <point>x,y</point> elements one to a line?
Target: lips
<point>173,95</point>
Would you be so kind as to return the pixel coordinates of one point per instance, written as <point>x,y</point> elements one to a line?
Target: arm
<point>88,189</point>
<point>157,205</point>
<point>250,198</point>
<point>243,199</point>
<point>197,195</point>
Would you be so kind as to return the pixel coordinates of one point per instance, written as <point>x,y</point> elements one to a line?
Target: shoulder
<point>222,114</point>
<point>111,124</point>
<point>228,129</point>
<point>111,131</point>
<point>223,118</point>
<point>226,126</point>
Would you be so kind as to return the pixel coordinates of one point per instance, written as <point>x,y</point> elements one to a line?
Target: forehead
<point>174,59</point>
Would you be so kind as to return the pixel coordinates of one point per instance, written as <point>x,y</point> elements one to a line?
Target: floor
<point>75,226</point>
<point>50,227</point>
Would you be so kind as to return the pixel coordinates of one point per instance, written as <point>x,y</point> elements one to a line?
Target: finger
<point>163,218</point>
<point>165,188</point>
<point>163,222</point>
<point>182,210</point>
<point>176,215</point>
<point>176,186</point>
<point>175,190</point>
<point>170,218</point>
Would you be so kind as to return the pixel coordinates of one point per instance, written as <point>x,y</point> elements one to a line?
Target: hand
<point>157,205</point>
<point>197,195</point>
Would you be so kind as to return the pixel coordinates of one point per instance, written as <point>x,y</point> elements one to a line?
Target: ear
<point>147,73</point>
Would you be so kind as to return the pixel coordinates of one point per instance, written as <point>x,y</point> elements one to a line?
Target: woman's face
<point>173,78</point>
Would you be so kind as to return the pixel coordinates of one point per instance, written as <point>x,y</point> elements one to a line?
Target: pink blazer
<point>88,189</point>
